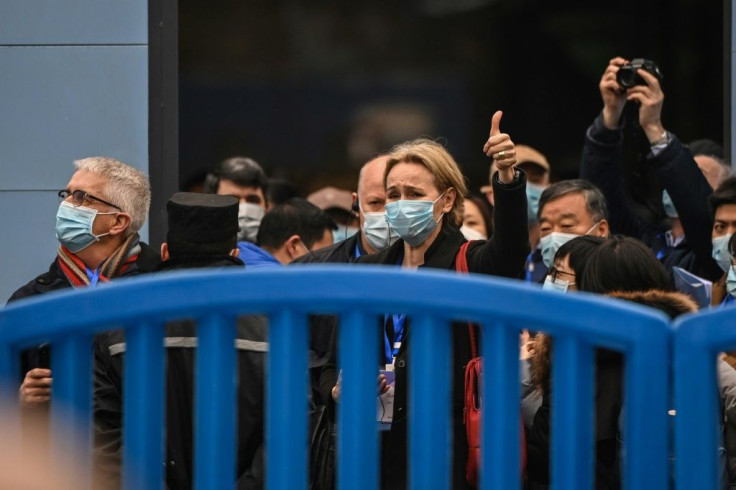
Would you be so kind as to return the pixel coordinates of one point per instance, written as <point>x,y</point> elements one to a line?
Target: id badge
<point>385,402</point>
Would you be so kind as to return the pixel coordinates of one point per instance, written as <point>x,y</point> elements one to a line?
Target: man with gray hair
<point>100,212</point>
<point>569,209</point>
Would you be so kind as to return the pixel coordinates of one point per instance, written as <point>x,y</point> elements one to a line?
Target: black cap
<point>202,218</point>
<point>706,147</point>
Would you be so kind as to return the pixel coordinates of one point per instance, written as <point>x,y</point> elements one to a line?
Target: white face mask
<point>376,230</point>
<point>471,234</point>
<point>249,220</point>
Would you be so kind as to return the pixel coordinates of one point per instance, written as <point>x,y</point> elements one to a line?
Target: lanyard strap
<point>391,346</point>
<point>94,276</point>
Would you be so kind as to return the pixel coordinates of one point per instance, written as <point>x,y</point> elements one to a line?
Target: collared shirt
<point>673,242</point>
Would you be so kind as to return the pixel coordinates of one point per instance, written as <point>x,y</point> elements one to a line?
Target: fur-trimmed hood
<point>672,303</point>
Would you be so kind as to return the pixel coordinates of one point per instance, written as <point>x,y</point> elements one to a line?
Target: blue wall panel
<point>28,242</point>
<point>73,22</point>
<point>64,103</point>
<point>74,84</point>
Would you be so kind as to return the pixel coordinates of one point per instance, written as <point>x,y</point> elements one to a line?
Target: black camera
<point>627,76</point>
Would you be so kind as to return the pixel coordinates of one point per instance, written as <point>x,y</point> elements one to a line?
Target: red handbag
<point>472,409</point>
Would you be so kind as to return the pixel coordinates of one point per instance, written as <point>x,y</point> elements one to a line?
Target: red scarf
<point>114,266</point>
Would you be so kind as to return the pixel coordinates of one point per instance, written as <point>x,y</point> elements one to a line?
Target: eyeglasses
<point>78,198</point>
<point>554,272</point>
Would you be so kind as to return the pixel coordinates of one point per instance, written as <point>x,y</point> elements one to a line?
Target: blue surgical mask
<point>533,193</point>
<point>412,220</point>
<point>721,253</point>
<point>550,244</point>
<point>74,226</point>
<point>731,281</point>
<point>376,230</point>
<point>343,232</point>
<point>669,207</point>
<point>556,285</point>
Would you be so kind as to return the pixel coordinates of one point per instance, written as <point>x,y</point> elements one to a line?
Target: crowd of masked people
<point>411,208</point>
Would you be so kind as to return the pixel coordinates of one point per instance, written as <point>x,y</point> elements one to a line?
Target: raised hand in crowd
<point>650,98</point>
<point>613,95</point>
<point>500,147</point>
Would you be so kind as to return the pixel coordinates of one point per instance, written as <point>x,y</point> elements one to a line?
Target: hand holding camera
<point>638,80</point>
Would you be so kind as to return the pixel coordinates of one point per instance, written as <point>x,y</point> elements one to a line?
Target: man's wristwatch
<point>662,140</point>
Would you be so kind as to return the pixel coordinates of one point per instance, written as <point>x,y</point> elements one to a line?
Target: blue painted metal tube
<point>646,386</point>
<point>430,427</point>
<point>214,437</point>
<point>696,421</point>
<point>357,449</point>
<point>71,368</point>
<point>572,428</point>
<point>143,407</point>
<point>286,402</point>
<point>501,427</point>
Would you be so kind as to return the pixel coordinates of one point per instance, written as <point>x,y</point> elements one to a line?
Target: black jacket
<point>503,255</point>
<point>180,364</point>
<point>679,175</point>
<point>342,252</point>
<point>55,280</point>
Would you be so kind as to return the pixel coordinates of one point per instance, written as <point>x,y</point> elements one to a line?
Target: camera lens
<point>626,76</point>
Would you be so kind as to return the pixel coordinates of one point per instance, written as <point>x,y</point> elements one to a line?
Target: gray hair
<point>126,187</point>
<point>595,202</point>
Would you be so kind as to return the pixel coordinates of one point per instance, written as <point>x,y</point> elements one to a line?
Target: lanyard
<point>93,275</point>
<point>529,267</point>
<point>357,250</point>
<point>391,346</point>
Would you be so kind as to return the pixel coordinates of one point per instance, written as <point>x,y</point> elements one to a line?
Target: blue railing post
<point>143,411</point>
<point>696,420</point>
<point>501,415</point>
<point>430,441</point>
<point>286,401</point>
<point>71,372</point>
<point>645,412</point>
<point>214,437</point>
<point>356,423</point>
<point>571,432</point>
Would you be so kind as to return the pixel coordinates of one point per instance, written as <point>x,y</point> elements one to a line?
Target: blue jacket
<point>255,257</point>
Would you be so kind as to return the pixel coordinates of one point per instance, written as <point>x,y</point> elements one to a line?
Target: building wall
<point>73,84</point>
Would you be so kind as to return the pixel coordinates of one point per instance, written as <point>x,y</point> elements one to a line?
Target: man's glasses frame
<point>78,198</point>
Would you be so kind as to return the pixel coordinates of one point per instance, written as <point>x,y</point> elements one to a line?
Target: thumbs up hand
<point>500,147</point>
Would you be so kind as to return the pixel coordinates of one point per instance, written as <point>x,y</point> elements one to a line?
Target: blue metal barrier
<point>697,341</point>
<point>433,299</point>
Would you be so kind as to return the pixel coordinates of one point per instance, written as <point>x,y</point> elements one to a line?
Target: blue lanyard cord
<point>529,267</point>
<point>93,275</point>
<point>389,349</point>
